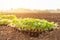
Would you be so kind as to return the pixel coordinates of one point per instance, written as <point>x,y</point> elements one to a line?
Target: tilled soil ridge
<point>9,33</point>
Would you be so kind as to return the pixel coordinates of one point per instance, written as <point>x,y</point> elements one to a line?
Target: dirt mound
<point>8,33</point>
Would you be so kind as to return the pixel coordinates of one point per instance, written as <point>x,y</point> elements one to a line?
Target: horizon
<point>30,4</point>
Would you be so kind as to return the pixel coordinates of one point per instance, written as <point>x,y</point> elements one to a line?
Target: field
<point>48,16</point>
<point>8,33</point>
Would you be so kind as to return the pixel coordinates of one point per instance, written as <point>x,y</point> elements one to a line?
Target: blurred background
<point>30,4</point>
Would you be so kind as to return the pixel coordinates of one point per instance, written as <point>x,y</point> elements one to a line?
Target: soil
<point>9,33</point>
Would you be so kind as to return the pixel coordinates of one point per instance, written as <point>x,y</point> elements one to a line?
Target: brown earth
<point>9,33</point>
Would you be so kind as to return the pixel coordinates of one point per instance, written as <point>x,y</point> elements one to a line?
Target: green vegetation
<point>35,24</point>
<point>7,17</point>
<point>27,23</point>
